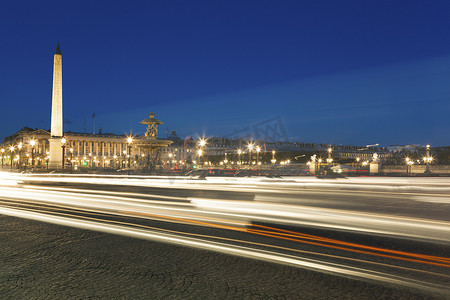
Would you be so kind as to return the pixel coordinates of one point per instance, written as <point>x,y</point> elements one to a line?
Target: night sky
<point>342,72</point>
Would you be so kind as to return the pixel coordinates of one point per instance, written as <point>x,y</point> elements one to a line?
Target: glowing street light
<point>200,153</point>
<point>409,162</point>
<point>32,143</point>
<point>239,152</point>
<point>428,159</point>
<point>19,146</point>
<point>11,156</point>
<point>250,148</point>
<point>258,149</point>
<point>170,159</point>
<point>129,141</point>
<point>3,153</point>
<point>357,163</point>
<point>329,159</point>
<point>63,145</point>
<point>71,157</point>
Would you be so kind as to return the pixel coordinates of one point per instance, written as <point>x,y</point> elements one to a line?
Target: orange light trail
<point>230,239</point>
<point>303,235</point>
<point>296,237</point>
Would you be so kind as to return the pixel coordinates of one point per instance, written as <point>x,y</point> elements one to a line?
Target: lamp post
<point>32,143</point>
<point>428,160</point>
<point>239,152</point>
<point>318,165</point>
<point>63,146</point>
<point>250,147</point>
<point>407,168</point>
<point>409,162</point>
<point>225,161</point>
<point>273,157</point>
<point>71,157</point>
<point>3,153</point>
<point>130,141</point>
<point>200,153</point>
<point>201,144</point>
<point>20,149</point>
<point>258,149</point>
<point>329,159</point>
<point>170,160</point>
<point>11,149</point>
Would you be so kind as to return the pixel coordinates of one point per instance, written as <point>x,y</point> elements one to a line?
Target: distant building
<point>103,149</point>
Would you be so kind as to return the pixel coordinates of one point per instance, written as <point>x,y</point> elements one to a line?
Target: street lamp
<point>20,149</point>
<point>428,159</point>
<point>63,146</point>
<point>170,160</point>
<point>202,143</point>
<point>200,153</point>
<point>409,163</point>
<point>32,143</point>
<point>3,153</point>
<point>239,152</point>
<point>258,149</point>
<point>129,140</point>
<point>273,157</point>
<point>71,157</point>
<point>318,165</point>
<point>225,161</point>
<point>12,155</point>
<point>329,159</point>
<point>250,147</point>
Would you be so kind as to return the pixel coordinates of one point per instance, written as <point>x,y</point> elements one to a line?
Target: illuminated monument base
<point>55,156</point>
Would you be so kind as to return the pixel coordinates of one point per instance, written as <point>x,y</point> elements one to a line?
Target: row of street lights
<point>428,159</point>
<point>250,147</point>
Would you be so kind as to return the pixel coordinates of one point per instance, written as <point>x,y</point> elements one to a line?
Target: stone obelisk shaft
<point>57,116</point>
<point>55,156</point>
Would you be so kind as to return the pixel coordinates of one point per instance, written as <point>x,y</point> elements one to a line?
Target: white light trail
<point>244,251</point>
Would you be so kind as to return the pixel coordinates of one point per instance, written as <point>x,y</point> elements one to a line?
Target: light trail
<point>331,218</point>
<point>217,237</point>
<point>253,184</point>
<point>273,233</point>
<point>238,211</point>
<point>258,215</point>
<point>243,251</point>
<point>312,237</point>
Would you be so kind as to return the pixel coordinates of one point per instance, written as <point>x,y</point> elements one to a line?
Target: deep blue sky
<point>344,72</point>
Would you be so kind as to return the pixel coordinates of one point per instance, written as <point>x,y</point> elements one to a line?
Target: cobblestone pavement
<point>44,261</point>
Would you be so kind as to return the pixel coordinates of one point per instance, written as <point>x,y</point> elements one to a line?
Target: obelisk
<point>55,157</point>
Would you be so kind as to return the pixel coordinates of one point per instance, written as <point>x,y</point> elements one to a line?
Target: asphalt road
<point>139,237</point>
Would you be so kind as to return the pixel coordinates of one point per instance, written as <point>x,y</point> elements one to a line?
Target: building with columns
<point>105,150</point>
